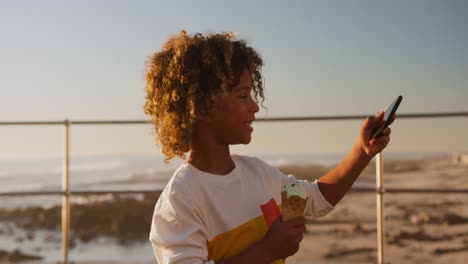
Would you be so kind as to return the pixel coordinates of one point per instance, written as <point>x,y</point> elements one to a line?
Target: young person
<point>202,94</point>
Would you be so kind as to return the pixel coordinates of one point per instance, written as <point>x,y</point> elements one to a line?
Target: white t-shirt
<point>202,218</point>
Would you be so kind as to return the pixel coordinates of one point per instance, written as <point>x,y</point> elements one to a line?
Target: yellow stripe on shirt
<point>235,241</point>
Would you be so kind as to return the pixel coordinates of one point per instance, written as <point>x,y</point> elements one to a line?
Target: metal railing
<point>66,193</point>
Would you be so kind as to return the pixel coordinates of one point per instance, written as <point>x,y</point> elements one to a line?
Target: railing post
<point>380,208</point>
<point>66,195</point>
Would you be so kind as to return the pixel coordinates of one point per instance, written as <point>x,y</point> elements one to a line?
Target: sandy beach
<point>420,228</point>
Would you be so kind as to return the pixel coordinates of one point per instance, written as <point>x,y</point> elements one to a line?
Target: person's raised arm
<point>336,183</point>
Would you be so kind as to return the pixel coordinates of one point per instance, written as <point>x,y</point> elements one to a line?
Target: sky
<point>84,60</point>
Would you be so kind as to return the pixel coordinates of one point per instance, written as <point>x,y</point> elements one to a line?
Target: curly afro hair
<point>188,76</point>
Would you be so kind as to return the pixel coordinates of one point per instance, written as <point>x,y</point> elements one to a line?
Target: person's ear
<point>203,115</point>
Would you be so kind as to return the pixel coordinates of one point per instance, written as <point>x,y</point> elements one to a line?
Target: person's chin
<point>242,141</point>
<point>247,140</point>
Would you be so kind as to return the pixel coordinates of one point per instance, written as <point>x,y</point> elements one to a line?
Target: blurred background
<point>84,60</point>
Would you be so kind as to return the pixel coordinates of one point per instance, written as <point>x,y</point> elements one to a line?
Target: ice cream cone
<point>292,206</point>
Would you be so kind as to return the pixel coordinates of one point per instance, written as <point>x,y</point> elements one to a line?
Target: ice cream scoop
<point>294,188</point>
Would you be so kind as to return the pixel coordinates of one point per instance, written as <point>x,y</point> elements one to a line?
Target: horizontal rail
<point>409,190</point>
<point>78,193</point>
<point>355,117</point>
<point>84,122</point>
<point>261,119</point>
<point>145,191</point>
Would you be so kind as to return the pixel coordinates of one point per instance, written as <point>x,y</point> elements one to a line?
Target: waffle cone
<point>292,206</point>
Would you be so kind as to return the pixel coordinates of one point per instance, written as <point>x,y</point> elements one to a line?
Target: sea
<point>125,172</point>
<point>115,172</point>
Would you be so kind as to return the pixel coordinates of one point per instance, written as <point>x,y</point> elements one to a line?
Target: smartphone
<point>389,114</point>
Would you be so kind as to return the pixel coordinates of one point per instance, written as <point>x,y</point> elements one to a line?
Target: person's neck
<point>212,159</point>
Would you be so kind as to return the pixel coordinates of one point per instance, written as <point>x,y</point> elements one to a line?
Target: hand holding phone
<point>388,118</point>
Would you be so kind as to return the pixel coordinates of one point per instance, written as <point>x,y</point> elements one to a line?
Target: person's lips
<point>248,124</point>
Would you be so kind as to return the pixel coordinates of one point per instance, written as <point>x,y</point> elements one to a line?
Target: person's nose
<point>253,106</point>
